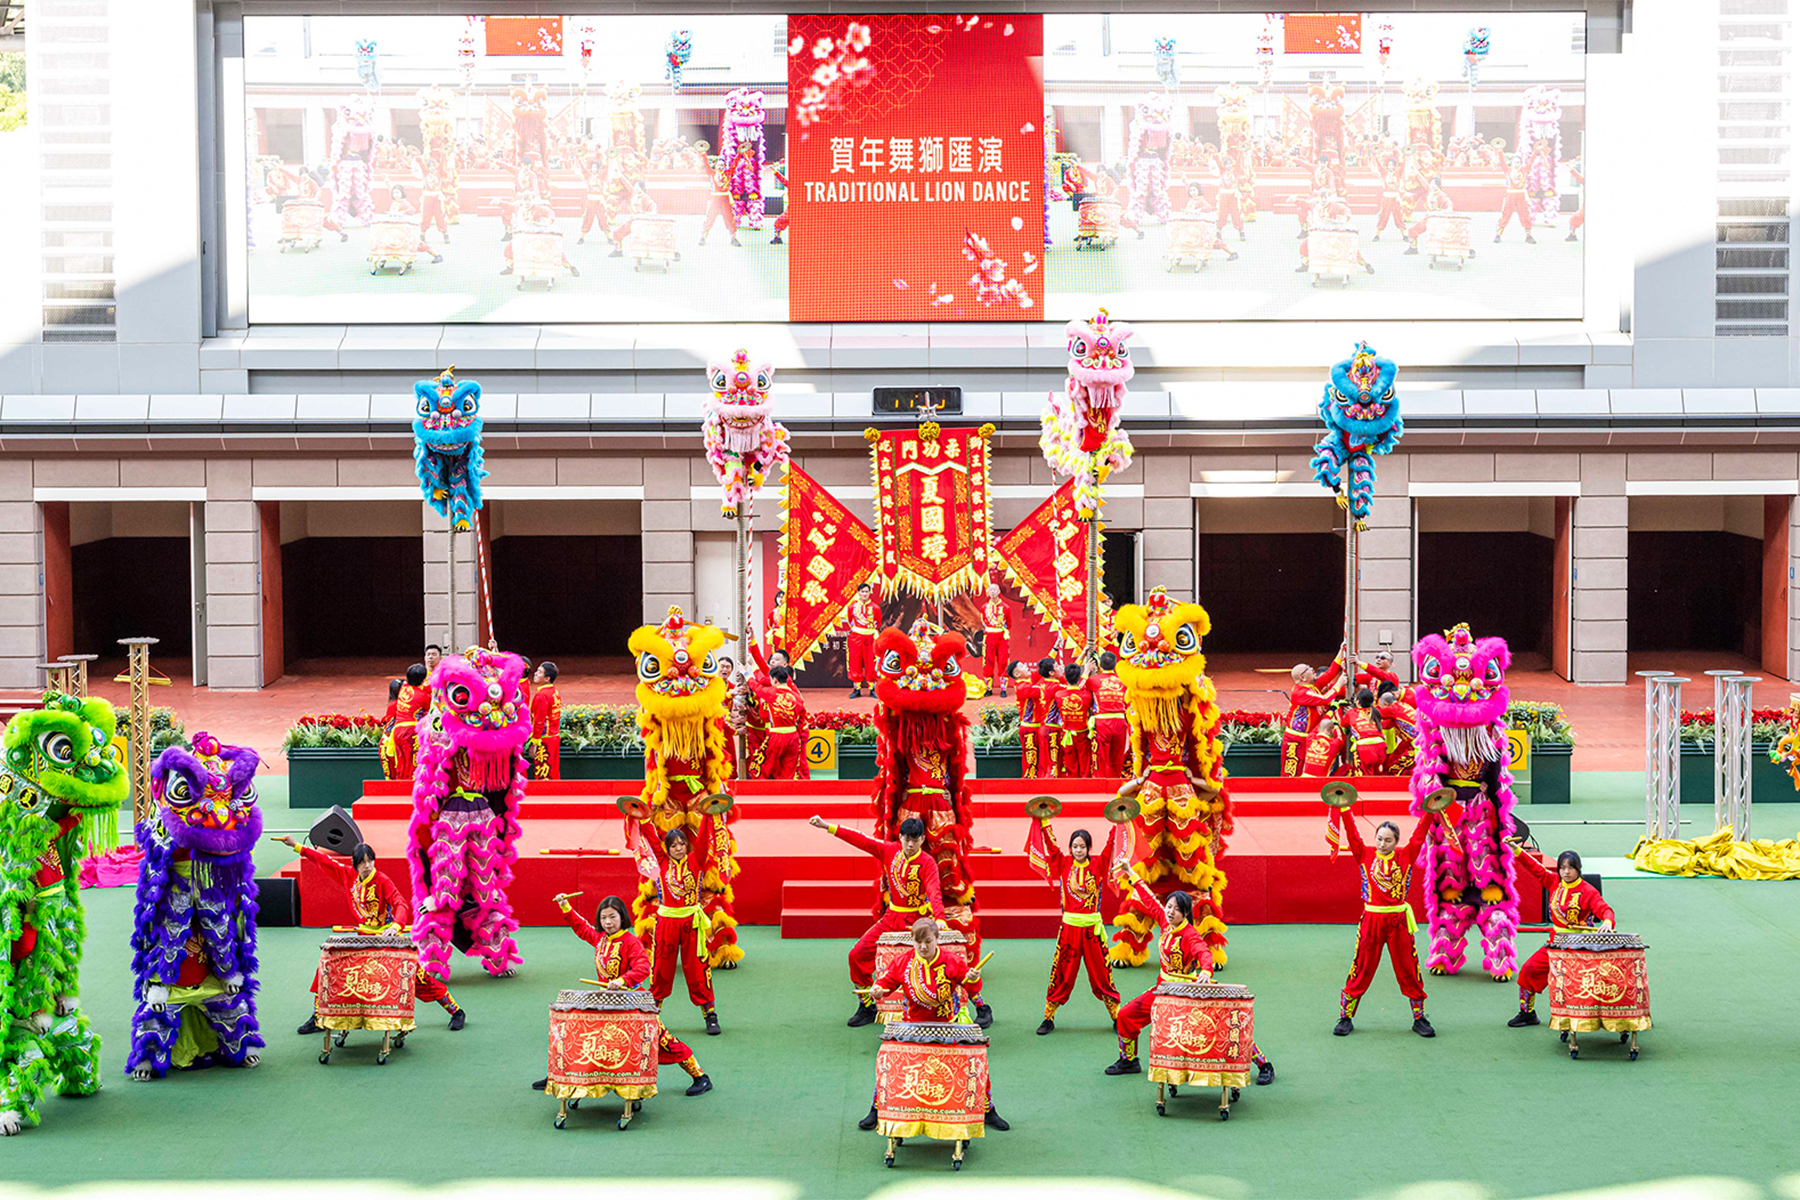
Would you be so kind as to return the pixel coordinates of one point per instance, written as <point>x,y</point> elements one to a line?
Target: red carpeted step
<point>851,922</point>
<point>850,893</point>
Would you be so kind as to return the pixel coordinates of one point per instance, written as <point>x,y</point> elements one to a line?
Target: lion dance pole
<point>447,459</point>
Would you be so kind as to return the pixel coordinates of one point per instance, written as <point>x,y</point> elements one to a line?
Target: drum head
<point>1338,795</point>
<point>1121,809</point>
<point>1042,808</point>
<point>717,804</point>
<point>1439,800</point>
<point>635,807</point>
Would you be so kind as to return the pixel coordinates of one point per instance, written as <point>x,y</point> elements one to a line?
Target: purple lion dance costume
<point>193,936</point>
<point>1462,698</point>
<point>463,838</point>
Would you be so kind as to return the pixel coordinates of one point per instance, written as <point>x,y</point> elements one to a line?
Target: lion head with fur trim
<point>679,673</point>
<point>1159,645</point>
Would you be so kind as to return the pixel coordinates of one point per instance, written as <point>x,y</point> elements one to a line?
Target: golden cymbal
<point>635,807</point>
<point>1338,795</point>
<point>717,804</point>
<point>1121,809</point>
<point>1439,800</point>
<point>1042,808</point>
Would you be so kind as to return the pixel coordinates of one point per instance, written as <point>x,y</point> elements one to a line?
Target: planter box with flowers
<point>330,756</point>
<point>1769,781</point>
<point>994,732</point>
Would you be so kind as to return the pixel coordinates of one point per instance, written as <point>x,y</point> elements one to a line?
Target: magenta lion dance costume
<point>1540,141</point>
<point>741,145</point>
<point>1462,698</point>
<point>352,147</point>
<point>193,935</point>
<point>1147,157</point>
<point>744,442</point>
<point>463,839</point>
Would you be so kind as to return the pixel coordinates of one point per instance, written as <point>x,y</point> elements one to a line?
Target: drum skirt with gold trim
<point>366,982</point>
<point>931,1080</point>
<point>603,1042</point>
<point>898,943</point>
<point>1202,1033</point>
<point>1599,988</point>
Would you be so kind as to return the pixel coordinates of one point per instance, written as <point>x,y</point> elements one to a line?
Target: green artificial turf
<point>1481,1111</point>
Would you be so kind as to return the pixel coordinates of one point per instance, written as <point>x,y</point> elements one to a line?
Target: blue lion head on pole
<point>447,446</point>
<point>1362,419</point>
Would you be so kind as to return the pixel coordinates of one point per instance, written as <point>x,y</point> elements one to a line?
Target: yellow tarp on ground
<point>1759,858</point>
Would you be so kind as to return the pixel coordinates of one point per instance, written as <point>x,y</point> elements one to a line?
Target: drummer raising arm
<point>1574,904</point>
<point>378,905</point>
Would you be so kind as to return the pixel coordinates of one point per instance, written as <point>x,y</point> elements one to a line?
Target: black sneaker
<point>864,1015</point>
<point>712,1024</point>
<point>1525,1018</point>
<point>458,1019</point>
<point>1530,241</point>
<point>541,1084</point>
<point>1048,1026</point>
<point>310,1026</point>
<point>869,1121</point>
<point>618,252</point>
<point>984,1016</point>
<point>1265,1073</point>
<point>1410,250</point>
<point>994,1120</point>
<point>1125,1066</point>
<point>702,1084</point>
<point>1344,1027</point>
<point>574,270</point>
<point>1423,1028</point>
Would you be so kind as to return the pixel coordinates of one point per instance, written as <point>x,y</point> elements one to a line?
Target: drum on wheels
<point>393,241</point>
<point>302,225</point>
<point>931,1080</point>
<point>601,1042</point>
<point>1599,980</point>
<point>1097,224</point>
<point>1202,1034</point>
<point>897,944</point>
<point>366,982</point>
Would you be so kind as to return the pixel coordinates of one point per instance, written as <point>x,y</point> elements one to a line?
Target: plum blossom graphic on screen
<point>842,68</point>
<point>990,280</point>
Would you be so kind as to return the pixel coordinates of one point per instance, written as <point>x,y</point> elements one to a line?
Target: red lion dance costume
<point>1327,121</point>
<point>1179,833</point>
<point>462,842</point>
<point>681,712</point>
<point>921,744</point>
<point>530,102</point>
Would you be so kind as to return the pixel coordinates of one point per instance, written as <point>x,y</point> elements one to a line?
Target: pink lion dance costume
<point>743,441</point>
<point>1462,699</point>
<point>1540,141</point>
<point>1148,158</point>
<point>352,146</point>
<point>741,144</point>
<point>1081,436</point>
<point>461,844</point>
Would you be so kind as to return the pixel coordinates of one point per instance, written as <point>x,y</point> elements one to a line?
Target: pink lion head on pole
<point>1081,436</point>
<point>1462,680</point>
<point>743,440</point>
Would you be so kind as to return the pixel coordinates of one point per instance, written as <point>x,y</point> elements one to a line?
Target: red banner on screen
<point>916,167</point>
<point>524,35</point>
<point>1321,33</point>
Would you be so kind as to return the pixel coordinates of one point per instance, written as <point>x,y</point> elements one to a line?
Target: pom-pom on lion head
<point>1462,680</point>
<point>920,674</point>
<point>1159,645</point>
<point>678,669</point>
<point>206,798</point>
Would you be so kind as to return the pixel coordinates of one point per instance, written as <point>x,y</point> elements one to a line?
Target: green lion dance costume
<point>61,784</point>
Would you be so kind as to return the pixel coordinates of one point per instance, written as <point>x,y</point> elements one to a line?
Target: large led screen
<point>999,167</point>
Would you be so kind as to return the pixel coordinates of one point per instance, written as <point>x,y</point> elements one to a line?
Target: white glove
<point>157,997</point>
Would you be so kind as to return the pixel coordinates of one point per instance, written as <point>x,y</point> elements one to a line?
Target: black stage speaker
<point>334,831</point>
<point>277,902</point>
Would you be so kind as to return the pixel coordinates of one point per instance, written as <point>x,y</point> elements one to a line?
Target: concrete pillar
<point>437,586</point>
<point>21,579</point>
<point>1169,528</point>
<point>233,558</point>
<point>1384,598</point>
<point>668,539</point>
<point>1601,546</point>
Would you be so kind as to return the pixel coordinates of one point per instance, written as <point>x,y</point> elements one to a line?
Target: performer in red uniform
<point>1370,743</point>
<point>995,624</point>
<point>718,204</point>
<point>1580,217</point>
<point>936,984</point>
<point>593,198</point>
<point>782,714</point>
<point>1400,726</point>
<point>1309,703</point>
<point>1515,204</point>
<point>1080,939</point>
<point>1231,207</point>
<point>621,965</point>
<point>546,719</point>
<point>1387,917</point>
<point>683,929</point>
<point>377,902</point>
<point>1049,739</point>
<point>1373,674</point>
<point>1390,213</point>
<point>865,623</point>
<point>1112,725</point>
<point>1574,904</point>
<point>1028,696</point>
<point>1322,751</point>
<point>786,216</point>
<point>1074,705</point>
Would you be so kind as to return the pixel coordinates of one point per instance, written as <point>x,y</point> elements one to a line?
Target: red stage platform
<point>813,885</point>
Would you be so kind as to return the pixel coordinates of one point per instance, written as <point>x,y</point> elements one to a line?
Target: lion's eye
<point>178,791</point>
<point>459,695</point>
<point>952,668</point>
<point>57,747</point>
<point>890,663</point>
<point>710,664</point>
<point>425,406</point>
<point>1127,643</point>
<point>1186,640</point>
<point>1492,673</point>
<point>1432,670</point>
<point>649,667</point>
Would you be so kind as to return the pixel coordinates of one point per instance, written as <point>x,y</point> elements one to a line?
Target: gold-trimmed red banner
<point>933,509</point>
<point>825,553</point>
<point>1045,557</point>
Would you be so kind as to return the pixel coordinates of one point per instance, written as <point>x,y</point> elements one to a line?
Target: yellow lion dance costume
<point>681,713</point>
<point>1179,834</point>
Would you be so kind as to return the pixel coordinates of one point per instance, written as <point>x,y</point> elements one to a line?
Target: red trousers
<point>719,208</point>
<point>1514,206</point>
<point>1579,219</point>
<point>1534,976</point>
<point>993,657</point>
<point>783,757</point>
<point>1374,932</point>
<point>593,212</point>
<point>782,222</point>
<point>1112,745</point>
<point>670,1049</point>
<point>1390,214</point>
<point>861,649</point>
<point>1230,210</point>
<point>1293,752</point>
<point>432,210</point>
<point>675,938</point>
<point>1134,1014</point>
<point>1074,759</point>
<point>1049,750</point>
<point>553,752</point>
<point>1028,751</point>
<point>862,955</point>
<point>1078,946</point>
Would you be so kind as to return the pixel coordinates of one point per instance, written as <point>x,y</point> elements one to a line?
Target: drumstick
<point>984,959</point>
<point>565,896</point>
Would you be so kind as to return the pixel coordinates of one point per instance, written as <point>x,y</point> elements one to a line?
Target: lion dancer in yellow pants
<point>1185,809</point>
<point>681,706</point>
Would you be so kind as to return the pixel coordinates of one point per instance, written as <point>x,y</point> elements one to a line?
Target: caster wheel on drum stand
<point>956,1156</point>
<point>893,1143</point>
<point>324,1057</point>
<point>574,1104</point>
<point>1634,1056</point>
<point>562,1115</point>
<point>1173,1090</point>
<point>1224,1114</point>
<point>1565,1036</point>
<point>381,1059</point>
<point>339,1037</point>
<point>1234,1095</point>
<point>1623,1038</point>
<point>1162,1110</point>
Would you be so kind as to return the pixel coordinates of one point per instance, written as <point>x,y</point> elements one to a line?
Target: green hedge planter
<point>603,764</point>
<point>1003,762</point>
<point>856,762</point>
<point>1546,781</point>
<point>1769,782</point>
<point>1253,759</point>
<point>319,777</point>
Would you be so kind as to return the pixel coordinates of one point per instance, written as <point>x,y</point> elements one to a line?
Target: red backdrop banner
<point>1321,33</point>
<point>524,35</point>
<point>932,509</point>
<point>825,553</point>
<point>916,164</point>
<point>1045,556</point>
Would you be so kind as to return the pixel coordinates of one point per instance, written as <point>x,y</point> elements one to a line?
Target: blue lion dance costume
<point>447,447</point>
<point>1362,419</point>
<point>194,930</point>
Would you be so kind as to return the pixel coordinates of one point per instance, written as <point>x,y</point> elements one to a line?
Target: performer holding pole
<point>1028,695</point>
<point>1387,917</point>
<point>1309,704</point>
<point>1574,904</point>
<point>1081,938</point>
